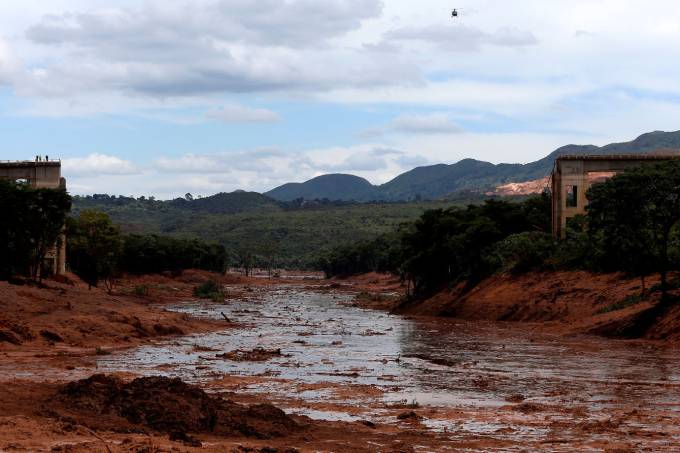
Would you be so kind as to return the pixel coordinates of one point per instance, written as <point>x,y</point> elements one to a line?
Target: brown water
<point>466,373</point>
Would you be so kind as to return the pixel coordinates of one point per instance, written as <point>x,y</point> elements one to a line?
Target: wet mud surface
<point>473,386</point>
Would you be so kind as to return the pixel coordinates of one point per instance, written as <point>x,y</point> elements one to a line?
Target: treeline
<point>631,225</point>
<point>445,246</point>
<point>30,223</point>
<point>97,251</point>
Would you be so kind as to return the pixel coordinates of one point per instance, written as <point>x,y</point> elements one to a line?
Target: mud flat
<point>497,387</point>
<point>347,379</point>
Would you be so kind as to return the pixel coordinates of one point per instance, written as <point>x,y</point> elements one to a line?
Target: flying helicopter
<point>454,13</point>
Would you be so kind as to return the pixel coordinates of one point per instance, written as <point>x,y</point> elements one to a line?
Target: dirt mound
<point>165,405</point>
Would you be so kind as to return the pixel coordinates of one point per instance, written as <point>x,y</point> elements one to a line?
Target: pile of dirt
<point>165,405</point>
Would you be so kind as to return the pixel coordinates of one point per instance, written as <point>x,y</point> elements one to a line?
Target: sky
<point>162,98</point>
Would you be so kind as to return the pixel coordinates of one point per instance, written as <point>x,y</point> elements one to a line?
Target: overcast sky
<point>167,97</point>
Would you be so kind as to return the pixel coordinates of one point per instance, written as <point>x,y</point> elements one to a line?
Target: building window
<point>572,196</point>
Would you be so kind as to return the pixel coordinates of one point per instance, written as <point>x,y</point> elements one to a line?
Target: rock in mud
<point>166,405</point>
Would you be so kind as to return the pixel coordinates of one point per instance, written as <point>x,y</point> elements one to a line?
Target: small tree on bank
<point>94,249</point>
<point>631,218</point>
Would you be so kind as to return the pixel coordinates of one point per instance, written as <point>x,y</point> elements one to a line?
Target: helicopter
<point>454,13</point>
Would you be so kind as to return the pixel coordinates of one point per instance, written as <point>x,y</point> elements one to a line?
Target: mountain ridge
<point>467,175</point>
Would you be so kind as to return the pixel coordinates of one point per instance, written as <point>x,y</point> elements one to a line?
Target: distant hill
<point>468,175</point>
<point>228,203</point>
<point>349,187</point>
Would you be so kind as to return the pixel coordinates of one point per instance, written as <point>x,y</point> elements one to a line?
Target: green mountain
<point>466,176</point>
<point>228,203</point>
<point>332,187</point>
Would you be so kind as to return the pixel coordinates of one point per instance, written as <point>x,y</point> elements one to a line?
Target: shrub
<point>141,290</point>
<point>209,290</point>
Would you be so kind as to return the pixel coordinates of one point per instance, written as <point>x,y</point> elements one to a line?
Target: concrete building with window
<point>572,176</point>
<point>40,173</point>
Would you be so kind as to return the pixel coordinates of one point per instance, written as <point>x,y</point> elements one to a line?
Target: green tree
<point>95,247</point>
<point>631,218</point>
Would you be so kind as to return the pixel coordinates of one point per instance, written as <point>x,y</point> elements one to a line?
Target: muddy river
<point>340,362</point>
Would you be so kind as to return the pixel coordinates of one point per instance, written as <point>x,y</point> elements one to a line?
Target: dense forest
<point>258,230</point>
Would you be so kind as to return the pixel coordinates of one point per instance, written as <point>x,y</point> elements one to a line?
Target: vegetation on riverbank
<point>99,251</point>
<point>630,226</point>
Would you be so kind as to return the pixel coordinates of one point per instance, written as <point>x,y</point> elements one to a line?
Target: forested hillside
<point>255,227</point>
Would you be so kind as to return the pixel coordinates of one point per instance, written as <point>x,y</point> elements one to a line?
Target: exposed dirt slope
<point>68,314</point>
<point>570,302</point>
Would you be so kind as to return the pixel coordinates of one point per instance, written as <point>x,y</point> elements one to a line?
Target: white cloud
<point>98,164</point>
<point>9,63</point>
<point>432,123</point>
<point>463,38</point>
<point>241,114</point>
<point>179,49</point>
<point>357,162</point>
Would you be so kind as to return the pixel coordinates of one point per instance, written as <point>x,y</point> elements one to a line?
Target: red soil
<point>562,302</point>
<point>51,335</point>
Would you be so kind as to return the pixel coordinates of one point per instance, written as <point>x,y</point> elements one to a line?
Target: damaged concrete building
<point>40,173</point>
<point>572,176</point>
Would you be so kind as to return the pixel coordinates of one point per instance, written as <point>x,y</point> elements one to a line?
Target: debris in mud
<point>515,398</point>
<point>368,423</point>
<point>352,374</point>
<point>254,355</point>
<point>51,336</point>
<point>529,408</point>
<point>408,416</point>
<point>181,436</point>
<point>8,337</point>
<point>167,330</point>
<point>436,360</point>
<point>199,348</point>
<point>165,405</point>
<point>242,449</point>
<point>370,333</point>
